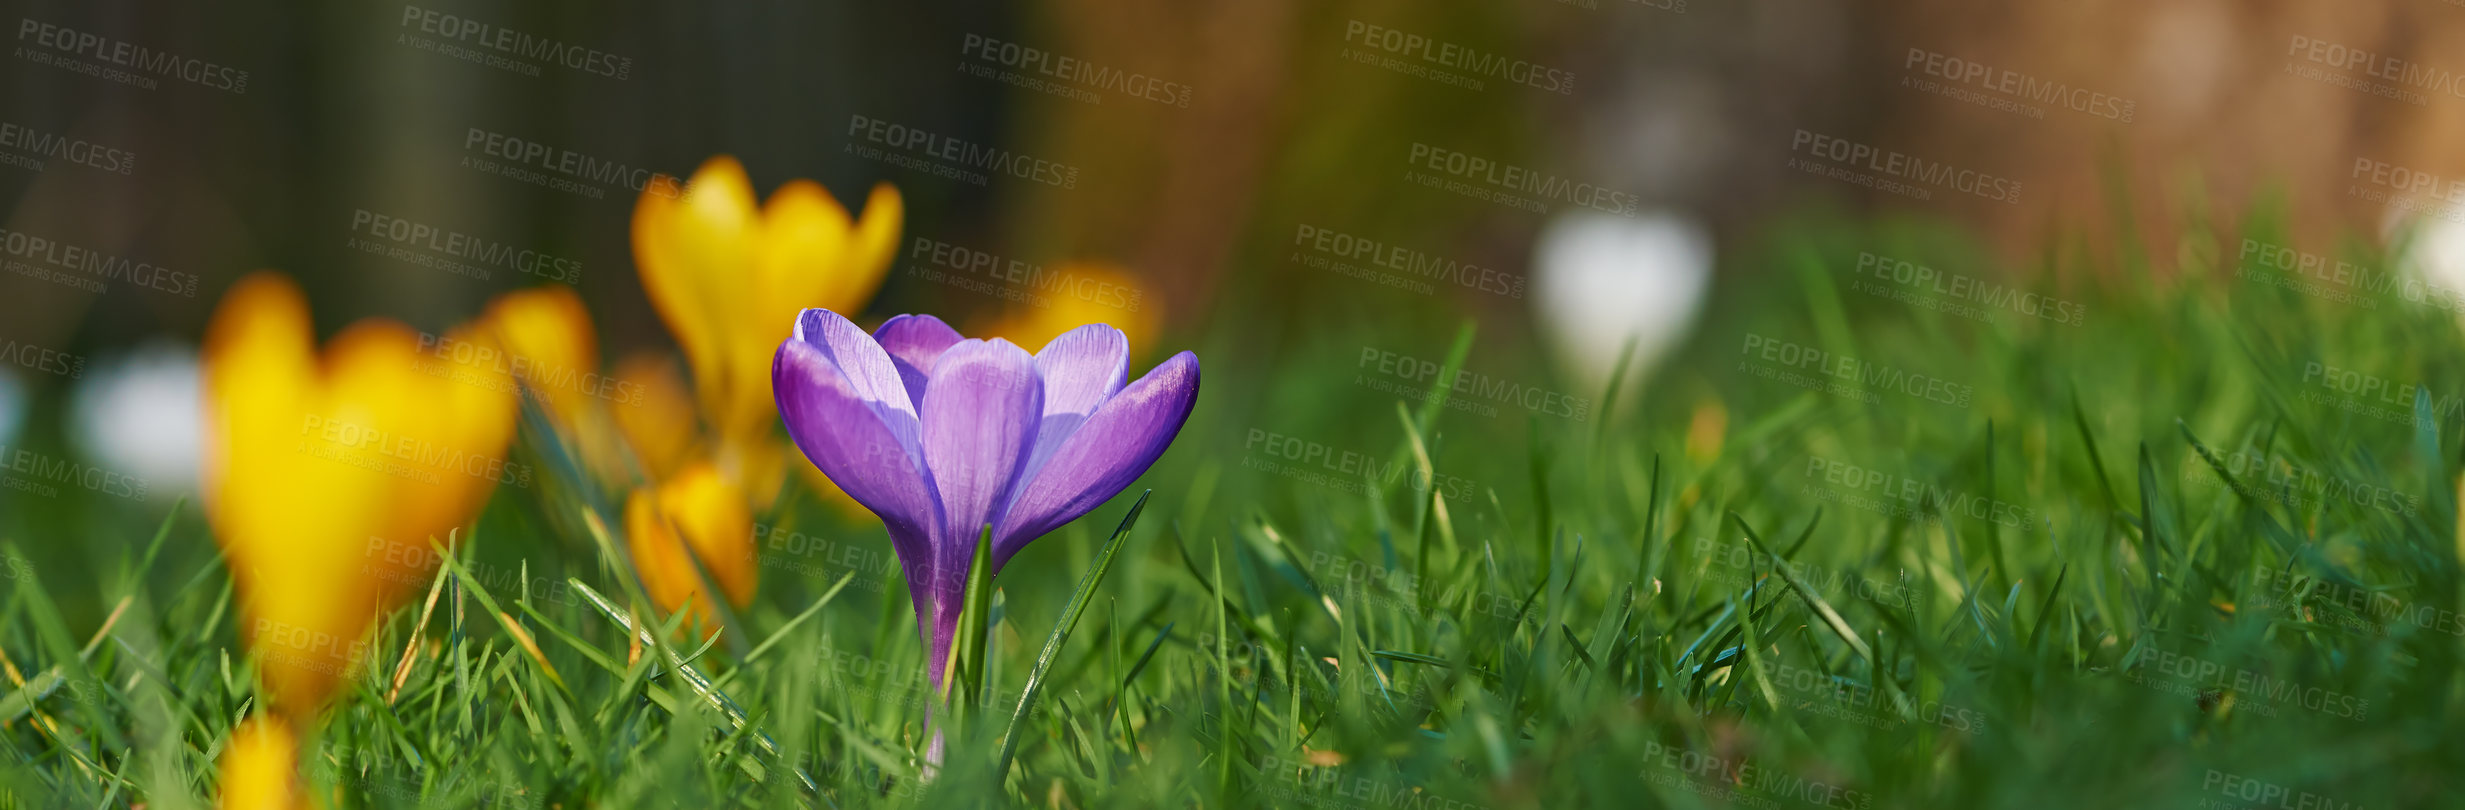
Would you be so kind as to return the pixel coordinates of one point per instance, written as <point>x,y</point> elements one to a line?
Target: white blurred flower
<point>2431,248</point>
<point>1601,280</point>
<point>12,405</point>
<point>141,414</point>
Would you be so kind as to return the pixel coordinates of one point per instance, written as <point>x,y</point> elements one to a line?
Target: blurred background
<point>1226,164</point>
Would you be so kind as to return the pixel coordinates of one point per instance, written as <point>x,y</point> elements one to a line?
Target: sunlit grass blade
<point>1831,618</point>
<point>1079,598</point>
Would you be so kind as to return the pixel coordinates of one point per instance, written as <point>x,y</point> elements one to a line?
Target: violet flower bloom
<point>940,435</point>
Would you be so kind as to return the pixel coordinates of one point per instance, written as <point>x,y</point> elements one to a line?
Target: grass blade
<point>1079,599</point>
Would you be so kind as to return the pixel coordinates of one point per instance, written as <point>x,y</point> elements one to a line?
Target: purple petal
<point>1105,454</point>
<point>1081,369</point>
<point>914,342</point>
<point>874,378</point>
<point>845,409</point>
<point>979,420</point>
<point>851,441</point>
<point>917,564</point>
<point>868,368</point>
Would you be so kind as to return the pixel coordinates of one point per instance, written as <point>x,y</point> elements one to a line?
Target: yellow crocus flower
<point>326,477</point>
<point>555,351</point>
<point>716,528</point>
<point>659,423</point>
<point>1083,292</point>
<point>548,333</point>
<point>729,278</point>
<point>260,767</point>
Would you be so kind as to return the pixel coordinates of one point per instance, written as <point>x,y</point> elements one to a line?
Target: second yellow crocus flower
<point>326,477</point>
<point>698,513</point>
<point>1086,292</point>
<point>728,277</point>
<point>689,511</point>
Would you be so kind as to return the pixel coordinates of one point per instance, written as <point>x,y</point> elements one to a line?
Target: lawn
<point>2138,521</point>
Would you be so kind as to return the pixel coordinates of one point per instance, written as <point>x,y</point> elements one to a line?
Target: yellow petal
<point>259,366</point>
<point>288,510</point>
<point>803,230</point>
<point>260,767</point>
<point>694,252</point>
<point>798,260</point>
<point>327,477</point>
<point>555,351</point>
<point>729,279</point>
<point>656,417</point>
<point>756,464</point>
<point>869,251</point>
<point>1074,294</point>
<point>715,526</point>
<point>453,430</point>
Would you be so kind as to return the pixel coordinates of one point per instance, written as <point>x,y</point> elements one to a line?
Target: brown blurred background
<point>1687,104</point>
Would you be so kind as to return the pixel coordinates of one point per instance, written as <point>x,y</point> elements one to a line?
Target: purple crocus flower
<point>940,435</point>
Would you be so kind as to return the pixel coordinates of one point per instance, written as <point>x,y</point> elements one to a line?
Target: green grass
<point>2148,560</point>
